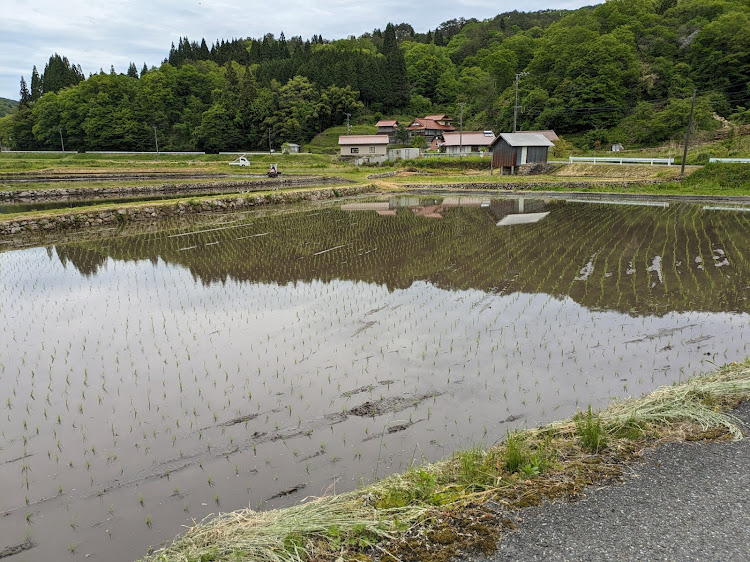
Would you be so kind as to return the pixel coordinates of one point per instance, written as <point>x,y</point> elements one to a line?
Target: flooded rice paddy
<point>149,378</point>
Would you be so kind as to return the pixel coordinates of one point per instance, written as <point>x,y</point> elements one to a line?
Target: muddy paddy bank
<point>160,210</point>
<point>208,187</point>
<point>204,363</point>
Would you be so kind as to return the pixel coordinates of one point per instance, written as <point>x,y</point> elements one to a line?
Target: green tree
<point>425,65</point>
<point>219,131</point>
<point>720,55</point>
<point>397,94</point>
<point>47,120</point>
<point>402,134</point>
<point>337,103</point>
<point>300,113</point>
<point>595,77</point>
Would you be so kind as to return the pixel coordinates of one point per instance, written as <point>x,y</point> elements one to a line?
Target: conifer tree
<point>395,70</point>
<point>204,53</point>
<point>24,93</point>
<point>283,49</point>
<point>59,74</point>
<point>36,85</point>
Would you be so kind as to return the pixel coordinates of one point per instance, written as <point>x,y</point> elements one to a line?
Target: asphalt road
<point>686,501</point>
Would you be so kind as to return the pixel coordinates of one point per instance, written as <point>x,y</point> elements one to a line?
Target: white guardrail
<point>619,160</point>
<point>730,160</point>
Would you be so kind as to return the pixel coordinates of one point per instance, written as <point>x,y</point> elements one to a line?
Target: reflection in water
<point>633,259</point>
<point>173,374</point>
<point>663,204</point>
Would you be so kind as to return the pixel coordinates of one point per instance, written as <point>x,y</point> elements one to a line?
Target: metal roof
<point>524,139</point>
<point>363,139</point>
<point>386,123</point>
<point>468,138</point>
<point>550,134</point>
<point>523,218</point>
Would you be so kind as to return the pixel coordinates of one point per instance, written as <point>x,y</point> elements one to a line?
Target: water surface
<point>255,359</point>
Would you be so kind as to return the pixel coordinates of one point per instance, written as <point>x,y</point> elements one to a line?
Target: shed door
<point>524,151</point>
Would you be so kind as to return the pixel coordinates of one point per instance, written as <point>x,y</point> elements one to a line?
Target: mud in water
<point>164,374</point>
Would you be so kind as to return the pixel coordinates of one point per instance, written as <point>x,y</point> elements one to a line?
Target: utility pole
<point>269,140</point>
<point>156,140</point>
<point>461,129</point>
<point>61,139</point>
<point>348,127</point>
<point>515,106</point>
<point>687,135</point>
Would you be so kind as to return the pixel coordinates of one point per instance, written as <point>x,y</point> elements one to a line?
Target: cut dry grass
<point>404,516</point>
<point>291,534</point>
<point>619,171</point>
<point>698,403</point>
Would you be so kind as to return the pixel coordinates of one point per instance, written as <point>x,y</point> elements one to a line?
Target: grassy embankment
<point>432,511</point>
<point>713,179</point>
<point>327,142</point>
<point>89,171</point>
<point>74,163</point>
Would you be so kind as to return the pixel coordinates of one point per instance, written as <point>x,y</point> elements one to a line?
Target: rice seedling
<point>472,319</point>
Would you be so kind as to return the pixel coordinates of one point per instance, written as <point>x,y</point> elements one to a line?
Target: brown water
<point>256,359</point>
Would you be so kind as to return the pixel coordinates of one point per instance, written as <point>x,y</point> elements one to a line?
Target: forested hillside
<point>622,71</point>
<point>6,106</point>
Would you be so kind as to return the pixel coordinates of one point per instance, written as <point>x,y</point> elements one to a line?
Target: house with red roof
<point>431,127</point>
<point>388,127</point>
<point>467,141</point>
<point>441,119</point>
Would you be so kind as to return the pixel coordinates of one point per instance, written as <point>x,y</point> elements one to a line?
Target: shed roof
<point>387,123</point>
<point>524,139</point>
<point>549,134</point>
<point>469,138</point>
<point>363,139</point>
<point>522,218</point>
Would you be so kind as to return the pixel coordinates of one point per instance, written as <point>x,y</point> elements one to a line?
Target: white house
<point>363,146</point>
<point>468,141</point>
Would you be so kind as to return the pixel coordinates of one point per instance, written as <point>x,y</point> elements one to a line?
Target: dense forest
<point>622,71</point>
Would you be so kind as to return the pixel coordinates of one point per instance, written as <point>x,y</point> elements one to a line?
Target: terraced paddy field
<point>154,374</point>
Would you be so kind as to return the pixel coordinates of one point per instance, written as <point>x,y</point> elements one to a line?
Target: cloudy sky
<point>104,32</point>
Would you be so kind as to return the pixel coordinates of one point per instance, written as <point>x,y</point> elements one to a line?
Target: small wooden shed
<point>510,150</point>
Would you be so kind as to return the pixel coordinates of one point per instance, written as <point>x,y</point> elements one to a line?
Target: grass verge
<point>434,511</point>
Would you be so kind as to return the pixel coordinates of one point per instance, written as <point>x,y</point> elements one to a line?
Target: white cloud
<point>103,33</point>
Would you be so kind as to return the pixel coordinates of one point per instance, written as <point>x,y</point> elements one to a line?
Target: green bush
<point>723,175</point>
